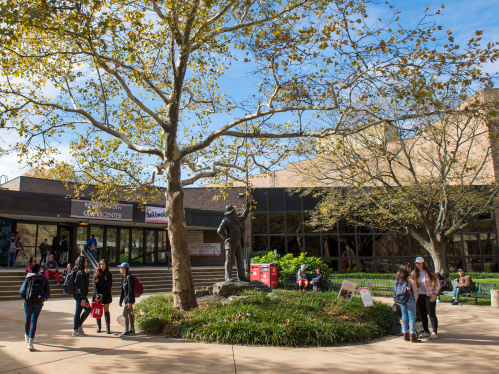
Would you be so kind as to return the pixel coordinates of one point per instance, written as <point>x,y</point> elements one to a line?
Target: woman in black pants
<point>80,295</point>
<point>428,287</point>
<point>103,282</point>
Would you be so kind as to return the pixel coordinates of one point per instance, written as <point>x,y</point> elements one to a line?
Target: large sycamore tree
<point>143,88</point>
<point>428,182</point>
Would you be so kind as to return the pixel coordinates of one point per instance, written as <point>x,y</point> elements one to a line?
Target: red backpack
<point>138,289</point>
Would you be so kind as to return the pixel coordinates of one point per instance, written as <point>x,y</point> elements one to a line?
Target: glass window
<point>473,264</point>
<point>332,264</point>
<point>260,200</point>
<point>363,229</point>
<point>150,244</point>
<point>399,261</point>
<point>124,245</point>
<point>346,228</point>
<point>309,229</point>
<point>470,227</point>
<point>330,246</point>
<point>330,230</point>
<point>349,264</point>
<point>293,202</point>
<point>111,244</point>
<point>383,245</point>
<point>293,223</point>
<point>6,232</point>
<point>295,244</point>
<point>310,202</point>
<point>98,231</point>
<point>488,244</point>
<point>81,239</point>
<point>490,264</point>
<point>470,245</point>
<point>137,246</point>
<point>27,233</point>
<point>259,223</point>
<point>486,223</point>
<point>400,245</point>
<point>366,265</point>
<point>313,246</point>
<point>347,246</point>
<point>455,263</point>
<point>278,243</point>
<point>384,265</point>
<point>417,249</point>
<point>47,231</point>
<point>365,245</point>
<point>276,200</point>
<point>163,247</point>
<point>454,246</point>
<point>276,223</point>
<point>260,243</point>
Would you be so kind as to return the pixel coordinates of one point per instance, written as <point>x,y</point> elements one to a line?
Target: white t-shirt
<point>421,285</point>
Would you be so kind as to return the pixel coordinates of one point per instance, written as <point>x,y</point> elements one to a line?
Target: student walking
<point>35,290</point>
<point>405,294</point>
<point>81,291</point>
<point>44,248</point>
<point>127,296</point>
<point>428,287</point>
<point>64,248</point>
<point>103,282</point>
<point>92,245</point>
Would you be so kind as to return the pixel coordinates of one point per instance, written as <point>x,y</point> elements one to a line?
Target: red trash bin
<point>265,273</point>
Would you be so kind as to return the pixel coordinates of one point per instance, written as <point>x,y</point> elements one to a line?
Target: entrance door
<point>151,247</point>
<point>63,231</point>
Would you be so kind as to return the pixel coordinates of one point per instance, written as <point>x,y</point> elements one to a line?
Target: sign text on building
<point>205,249</point>
<point>96,210</point>
<point>155,214</point>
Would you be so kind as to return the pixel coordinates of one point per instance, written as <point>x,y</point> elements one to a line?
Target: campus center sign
<point>156,215</point>
<point>112,212</point>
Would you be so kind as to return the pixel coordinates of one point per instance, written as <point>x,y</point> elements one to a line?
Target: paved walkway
<point>468,343</point>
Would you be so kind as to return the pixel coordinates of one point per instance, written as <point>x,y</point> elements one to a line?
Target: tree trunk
<point>183,287</point>
<point>438,256</point>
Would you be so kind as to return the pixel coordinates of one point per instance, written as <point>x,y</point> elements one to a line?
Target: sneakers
<point>424,335</point>
<point>132,331</point>
<point>30,345</point>
<point>455,303</point>
<point>75,333</point>
<point>433,335</point>
<point>80,331</point>
<point>124,333</point>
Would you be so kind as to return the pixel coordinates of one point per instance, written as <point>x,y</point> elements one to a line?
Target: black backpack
<point>36,290</point>
<point>69,283</point>
<point>400,295</point>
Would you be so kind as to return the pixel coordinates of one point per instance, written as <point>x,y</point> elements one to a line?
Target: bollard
<point>494,298</point>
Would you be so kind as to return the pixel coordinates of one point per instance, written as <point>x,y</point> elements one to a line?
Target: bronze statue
<point>231,232</point>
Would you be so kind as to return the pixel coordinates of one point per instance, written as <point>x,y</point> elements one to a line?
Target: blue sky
<point>462,17</point>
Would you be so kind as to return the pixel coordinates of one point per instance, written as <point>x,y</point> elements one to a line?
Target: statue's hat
<point>229,209</point>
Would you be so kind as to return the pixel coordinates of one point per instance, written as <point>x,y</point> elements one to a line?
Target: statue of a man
<point>231,232</point>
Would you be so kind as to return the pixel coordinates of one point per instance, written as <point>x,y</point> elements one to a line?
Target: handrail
<point>91,259</point>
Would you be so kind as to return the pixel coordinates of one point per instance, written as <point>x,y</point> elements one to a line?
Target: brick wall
<point>210,236</point>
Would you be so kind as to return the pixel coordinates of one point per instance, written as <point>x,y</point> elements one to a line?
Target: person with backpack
<point>405,294</point>
<point>103,282</point>
<point>428,288</point>
<point>92,245</point>
<point>64,248</point>
<point>35,290</point>
<point>80,275</point>
<point>127,296</point>
<point>15,243</point>
<point>52,269</point>
<point>44,248</point>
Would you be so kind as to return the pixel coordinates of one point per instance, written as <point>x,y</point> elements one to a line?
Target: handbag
<point>97,310</point>
<point>396,309</point>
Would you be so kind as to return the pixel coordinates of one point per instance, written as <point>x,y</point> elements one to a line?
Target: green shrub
<point>473,275</point>
<point>283,318</point>
<point>257,254</point>
<point>135,261</point>
<point>289,264</point>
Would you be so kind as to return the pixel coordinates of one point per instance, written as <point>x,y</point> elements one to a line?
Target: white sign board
<point>347,290</point>
<point>365,294</point>
<point>194,237</point>
<point>205,249</point>
<point>156,215</point>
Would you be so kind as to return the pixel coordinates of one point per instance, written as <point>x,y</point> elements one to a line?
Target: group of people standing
<point>36,290</point>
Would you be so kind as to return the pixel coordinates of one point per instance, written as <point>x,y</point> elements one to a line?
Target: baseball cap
<point>125,265</point>
<point>419,259</point>
<point>51,256</point>
<point>460,270</point>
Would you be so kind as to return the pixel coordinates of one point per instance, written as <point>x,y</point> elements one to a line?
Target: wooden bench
<point>479,290</point>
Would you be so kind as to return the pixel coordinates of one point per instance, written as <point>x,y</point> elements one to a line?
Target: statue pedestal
<point>226,289</point>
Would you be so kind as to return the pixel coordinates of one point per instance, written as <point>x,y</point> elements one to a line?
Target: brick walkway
<point>468,343</point>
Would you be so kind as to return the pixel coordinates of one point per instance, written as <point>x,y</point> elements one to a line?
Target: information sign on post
<point>365,295</point>
<point>347,290</point>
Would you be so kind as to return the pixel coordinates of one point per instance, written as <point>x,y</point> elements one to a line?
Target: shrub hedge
<point>473,275</point>
<point>282,318</point>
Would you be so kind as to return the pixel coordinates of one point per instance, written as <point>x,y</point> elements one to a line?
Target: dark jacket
<point>317,278</point>
<point>103,287</point>
<point>127,290</point>
<point>81,283</point>
<point>46,286</point>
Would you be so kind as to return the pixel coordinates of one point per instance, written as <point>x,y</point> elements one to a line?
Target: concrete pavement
<point>468,343</point>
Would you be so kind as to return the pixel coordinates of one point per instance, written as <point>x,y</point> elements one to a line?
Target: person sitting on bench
<point>461,285</point>
<point>317,280</point>
<point>301,278</point>
<point>52,269</point>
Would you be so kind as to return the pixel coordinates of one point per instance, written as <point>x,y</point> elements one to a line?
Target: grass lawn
<point>282,318</point>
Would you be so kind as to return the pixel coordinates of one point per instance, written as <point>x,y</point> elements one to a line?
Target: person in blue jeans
<point>408,309</point>
<point>92,245</point>
<point>33,301</point>
<point>82,310</point>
